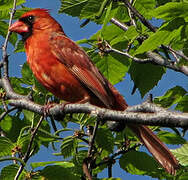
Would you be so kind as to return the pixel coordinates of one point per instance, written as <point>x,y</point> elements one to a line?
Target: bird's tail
<point>160,152</point>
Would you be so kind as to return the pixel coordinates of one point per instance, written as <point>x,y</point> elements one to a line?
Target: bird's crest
<point>37,12</point>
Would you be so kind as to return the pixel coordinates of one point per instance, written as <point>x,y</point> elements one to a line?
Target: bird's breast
<point>54,75</point>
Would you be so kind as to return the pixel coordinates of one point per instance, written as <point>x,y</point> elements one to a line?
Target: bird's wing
<point>79,63</point>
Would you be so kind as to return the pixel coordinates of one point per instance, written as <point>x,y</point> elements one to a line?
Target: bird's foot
<point>85,100</point>
<point>47,107</point>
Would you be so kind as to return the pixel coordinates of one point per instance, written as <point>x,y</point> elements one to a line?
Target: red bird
<point>64,69</point>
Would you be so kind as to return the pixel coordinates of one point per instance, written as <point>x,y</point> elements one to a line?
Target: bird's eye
<point>30,18</point>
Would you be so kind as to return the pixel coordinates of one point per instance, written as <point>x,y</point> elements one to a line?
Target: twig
<point>87,161</point>
<point>29,148</point>
<point>3,102</point>
<point>53,124</point>
<point>25,158</point>
<point>119,24</point>
<point>109,170</point>
<point>142,19</point>
<point>4,47</point>
<point>153,58</point>
<point>1,64</point>
<point>156,58</point>
<point>7,112</point>
<point>142,61</point>
<point>13,159</point>
<point>179,53</point>
<point>92,137</point>
<point>131,15</point>
<point>151,27</point>
<point>177,60</point>
<point>116,154</point>
<point>85,169</point>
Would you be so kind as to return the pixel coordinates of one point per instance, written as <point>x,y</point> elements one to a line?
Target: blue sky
<point>72,29</point>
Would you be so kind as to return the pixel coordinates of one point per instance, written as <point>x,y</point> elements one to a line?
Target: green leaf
<point>123,39</point>
<point>184,176</point>
<point>9,4</point>
<point>138,163</point>
<point>61,163</point>
<point>171,10</point>
<point>78,161</point>
<point>6,123</point>
<point>172,96</point>
<point>72,7</point>
<point>90,9</point>
<point>112,66</point>
<point>4,30</point>
<point>107,18</point>
<point>23,142</point>
<point>164,36</point>
<point>131,33</point>
<point>121,13</point>
<point>12,159</point>
<point>144,7</point>
<point>17,86</point>
<point>45,136</point>
<point>68,146</point>
<point>118,40</point>
<point>58,172</point>
<point>12,125</point>
<point>182,154</point>
<point>107,140</point>
<point>5,13</point>
<point>145,76</point>
<point>19,47</point>
<point>39,88</point>
<point>9,172</point>
<point>82,118</point>
<point>109,34</point>
<point>6,146</point>
<point>29,115</point>
<point>170,138</point>
<point>162,2</point>
<point>27,75</point>
<point>182,104</point>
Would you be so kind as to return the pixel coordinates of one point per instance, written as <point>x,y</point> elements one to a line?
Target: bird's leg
<point>84,100</point>
<point>47,107</point>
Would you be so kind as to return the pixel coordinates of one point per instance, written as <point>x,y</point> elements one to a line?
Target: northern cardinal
<point>64,69</point>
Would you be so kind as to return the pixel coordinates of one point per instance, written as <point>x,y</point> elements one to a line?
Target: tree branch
<point>7,112</point>
<point>29,148</point>
<point>142,18</point>
<point>153,57</point>
<point>119,24</point>
<point>4,47</point>
<point>5,84</point>
<point>151,27</point>
<point>92,138</point>
<point>145,113</point>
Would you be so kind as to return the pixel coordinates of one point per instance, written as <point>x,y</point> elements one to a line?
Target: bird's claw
<point>46,108</point>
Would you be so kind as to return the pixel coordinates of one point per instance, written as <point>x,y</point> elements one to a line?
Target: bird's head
<point>34,21</point>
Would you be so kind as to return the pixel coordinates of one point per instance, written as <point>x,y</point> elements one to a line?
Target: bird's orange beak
<point>19,27</point>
